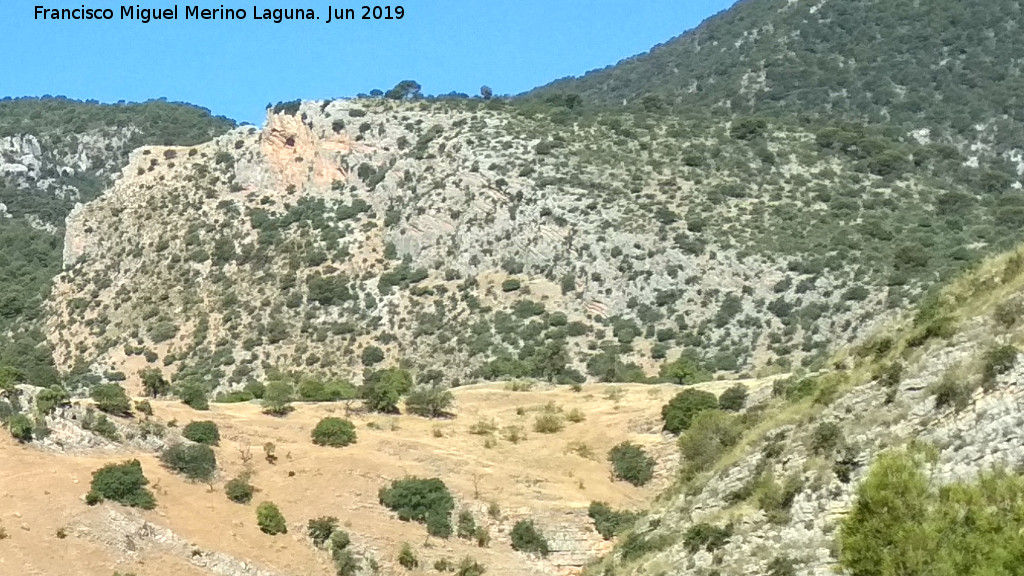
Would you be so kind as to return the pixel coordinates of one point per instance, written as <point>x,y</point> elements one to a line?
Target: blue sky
<point>236,68</point>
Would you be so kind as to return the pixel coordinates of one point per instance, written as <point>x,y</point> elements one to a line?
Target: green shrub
<point>678,413</point>
<point>901,524</point>
<point>51,398</point>
<point>609,523</point>
<point>21,427</point>
<point>430,402</point>
<point>123,483</point>
<point>202,432</point>
<point>320,529</point>
<point>335,432</point>
<point>827,437</point>
<point>239,490</point>
<point>510,285</point>
<point>270,520</point>
<point>194,461</point>
<point>631,463</point>
<point>316,390</point>
<point>782,566</point>
<point>372,355</point>
<point>277,398</point>
<point>734,399</point>
<point>424,500</point>
<point>194,396</point>
<point>712,433</point>
<point>951,391</point>
<point>549,423</point>
<point>112,399</point>
<point>407,558</point>
<point>526,538</point>
<point>466,525</point>
<point>997,361</point>
<point>706,536</point>
<point>383,389</point>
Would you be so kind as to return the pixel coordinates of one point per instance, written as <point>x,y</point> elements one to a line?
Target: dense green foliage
<point>270,520</point>
<point>21,427</point>
<point>239,490</point>
<point>608,522</point>
<point>332,431</point>
<point>320,529</point>
<point>32,256</point>
<point>903,75</point>
<point>422,500</point>
<point>123,483</point>
<point>901,524</point>
<point>631,463</point>
<point>527,538</point>
<point>194,461</point>
<point>112,399</point>
<point>203,432</point>
<point>678,413</point>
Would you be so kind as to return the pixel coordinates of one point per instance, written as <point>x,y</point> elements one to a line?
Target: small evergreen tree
<point>336,432</point>
<point>526,538</point>
<point>270,520</point>
<point>631,463</point>
<point>203,432</point>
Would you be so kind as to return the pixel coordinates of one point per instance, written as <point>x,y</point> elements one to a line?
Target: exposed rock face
<point>984,436</point>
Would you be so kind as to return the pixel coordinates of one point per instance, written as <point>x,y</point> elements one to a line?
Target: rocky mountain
<point>816,205</point>
<point>483,240</point>
<point>54,154</point>
<point>788,487</point>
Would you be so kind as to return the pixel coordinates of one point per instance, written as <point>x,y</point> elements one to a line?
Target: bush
<point>194,461</point>
<point>239,490</point>
<point>21,428</point>
<point>194,396</point>
<point>470,567</point>
<point>631,463</point>
<point>711,434</point>
<point>320,529</point>
<point>510,285</point>
<point>202,432</point>
<point>950,391</point>
<point>407,558</point>
<point>549,423</point>
<point>421,500</point>
<point>372,355</point>
<point>384,388</point>
<point>608,522</point>
<point>997,361</point>
<point>466,525</point>
<point>678,413</point>
<point>706,536</point>
<point>925,531</point>
<point>277,398</point>
<point>270,520</point>
<point>734,399</point>
<point>112,399</point>
<point>828,436</point>
<point>526,538</point>
<point>430,402</point>
<point>123,483</point>
<point>336,432</point>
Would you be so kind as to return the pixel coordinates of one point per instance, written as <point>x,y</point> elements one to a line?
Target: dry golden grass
<point>537,476</point>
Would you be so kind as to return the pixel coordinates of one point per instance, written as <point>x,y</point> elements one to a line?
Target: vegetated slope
<point>952,67</point>
<point>474,239</point>
<point>939,395</point>
<point>549,478</point>
<point>54,153</point>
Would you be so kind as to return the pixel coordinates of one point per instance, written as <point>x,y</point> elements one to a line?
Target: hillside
<point>55,153</point>
<point>550,478</point>
<point>952,68</point>
<point>904,458</point>
<point>471,240</point>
